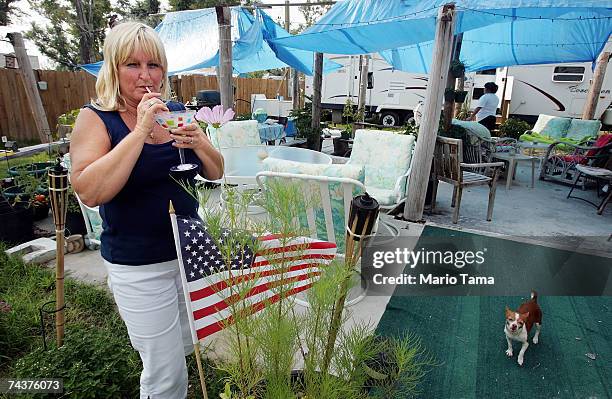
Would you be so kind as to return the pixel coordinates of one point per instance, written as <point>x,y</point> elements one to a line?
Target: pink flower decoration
<point>215,117</point>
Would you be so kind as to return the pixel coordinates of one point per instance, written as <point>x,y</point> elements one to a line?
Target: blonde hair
<point>121,42</point>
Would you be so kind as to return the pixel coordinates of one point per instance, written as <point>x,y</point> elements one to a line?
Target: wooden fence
<point>69,90</point>
<point>187,86</point>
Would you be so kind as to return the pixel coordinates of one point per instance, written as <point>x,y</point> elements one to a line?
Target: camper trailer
<point>391,94</point>
<point>553,89</point>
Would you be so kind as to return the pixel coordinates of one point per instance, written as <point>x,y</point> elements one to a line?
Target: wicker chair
<point>559,164</point>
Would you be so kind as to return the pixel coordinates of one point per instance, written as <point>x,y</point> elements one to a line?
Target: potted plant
<point>75,224</point>
<point>261,356</point>
<point>65,123</point>
<point>449,94</point>
<point>460,96</point>
<point>36,169</point>
<point>15,221</point>
<point>457,68</point>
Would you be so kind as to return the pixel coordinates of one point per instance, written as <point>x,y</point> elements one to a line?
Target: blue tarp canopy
<point>496,32</point>
<point>191,40</point>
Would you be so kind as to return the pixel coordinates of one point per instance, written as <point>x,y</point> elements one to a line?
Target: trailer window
<point>568,74</point>
<point>487,72</point>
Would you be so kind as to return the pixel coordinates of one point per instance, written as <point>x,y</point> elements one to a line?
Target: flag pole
<point>196,346</point>
<point>194,337</point>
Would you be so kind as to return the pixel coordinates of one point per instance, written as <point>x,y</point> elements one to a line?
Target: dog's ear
<point>508,312</point>
<point>524,316</point>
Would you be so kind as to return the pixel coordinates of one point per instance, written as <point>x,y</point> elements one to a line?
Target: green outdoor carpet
<point>465,334</point>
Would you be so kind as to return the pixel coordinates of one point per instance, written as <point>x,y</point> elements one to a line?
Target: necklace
<point>151,135</point>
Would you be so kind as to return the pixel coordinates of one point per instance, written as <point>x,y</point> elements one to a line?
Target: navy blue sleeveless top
<point>136,224</point>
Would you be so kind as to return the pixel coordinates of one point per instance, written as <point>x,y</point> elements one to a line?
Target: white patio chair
<point>386,158</point>
<point>235,134</point>
<point>326,208</point>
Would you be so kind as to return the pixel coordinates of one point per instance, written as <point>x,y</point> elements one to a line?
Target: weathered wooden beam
<point>31,88</point>
<point>423,153</point>
<point>594,91</point>
<point>224,75</point>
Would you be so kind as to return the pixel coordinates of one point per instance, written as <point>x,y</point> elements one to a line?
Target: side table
<point>513,160</point>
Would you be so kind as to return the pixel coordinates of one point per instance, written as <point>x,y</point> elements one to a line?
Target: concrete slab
<point>40,250</point>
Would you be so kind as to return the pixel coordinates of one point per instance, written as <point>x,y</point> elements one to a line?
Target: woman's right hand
<point>149,105</point>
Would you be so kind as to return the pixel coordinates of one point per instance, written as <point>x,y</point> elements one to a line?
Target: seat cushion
<point>235,134</point>
<point>579,129</point>
<point>552,126</point>
<point>386,156</point>
<point>383,196</point>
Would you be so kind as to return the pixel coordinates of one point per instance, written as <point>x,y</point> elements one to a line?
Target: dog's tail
<point>534,296</point>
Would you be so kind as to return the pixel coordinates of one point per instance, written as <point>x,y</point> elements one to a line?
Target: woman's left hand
<point>189,136</point>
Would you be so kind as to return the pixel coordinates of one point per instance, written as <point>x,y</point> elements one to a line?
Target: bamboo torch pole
<point>362,217</point>
<point>58,188</point>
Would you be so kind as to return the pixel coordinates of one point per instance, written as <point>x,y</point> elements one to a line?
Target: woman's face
<point>137,73</point>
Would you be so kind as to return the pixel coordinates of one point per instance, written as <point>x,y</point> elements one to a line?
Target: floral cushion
<point>386,158</point>
<point>96,222</point>
<point>336,191</point>
<point>580,130</point>
<point>235,134</point>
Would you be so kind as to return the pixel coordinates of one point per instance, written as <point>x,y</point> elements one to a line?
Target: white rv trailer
<point>553,89</point>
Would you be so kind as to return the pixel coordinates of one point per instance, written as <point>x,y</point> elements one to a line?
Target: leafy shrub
<point>513,128</point>
<point>93,363</point>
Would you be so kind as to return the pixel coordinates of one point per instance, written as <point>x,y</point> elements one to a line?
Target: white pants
<point>152,305</point>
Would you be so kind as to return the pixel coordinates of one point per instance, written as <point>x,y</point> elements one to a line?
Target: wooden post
<point>450,83</point>
<point>363,84</point>
<point>295,86</point>
<point>287,70</point>
<point>31,88</point>
<point>423,153</point>
<point>317,82</point>
<point>226,88</point>
<point>594,91</point>
<point>459,81</point>
<point>504,104</point>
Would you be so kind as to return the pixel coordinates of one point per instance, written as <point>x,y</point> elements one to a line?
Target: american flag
<point>224,271</point>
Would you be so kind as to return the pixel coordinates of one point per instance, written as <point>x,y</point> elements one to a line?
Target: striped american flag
<point>220,272</point>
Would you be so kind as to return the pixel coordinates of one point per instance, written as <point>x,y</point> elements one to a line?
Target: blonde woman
<point>120,161</point>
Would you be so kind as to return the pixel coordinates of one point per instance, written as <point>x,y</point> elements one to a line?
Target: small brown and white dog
<point>519,323</point>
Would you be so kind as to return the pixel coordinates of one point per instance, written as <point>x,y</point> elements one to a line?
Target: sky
<point>22,24</point>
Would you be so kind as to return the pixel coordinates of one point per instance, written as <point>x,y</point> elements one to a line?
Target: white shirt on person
<point>488,106</point>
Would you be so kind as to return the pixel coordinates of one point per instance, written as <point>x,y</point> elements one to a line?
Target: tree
<point>311,14</point>
<point>72,36</point>
<point>7,10</point>
<point>181,5</point>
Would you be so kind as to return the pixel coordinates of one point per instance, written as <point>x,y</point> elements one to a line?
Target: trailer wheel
<point>388,118</point>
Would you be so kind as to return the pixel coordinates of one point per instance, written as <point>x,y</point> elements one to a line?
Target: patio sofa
<point>550,129</point>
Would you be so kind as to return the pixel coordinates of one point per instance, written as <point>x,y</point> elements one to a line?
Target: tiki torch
<point>58,188</point>
<point>362,218</point>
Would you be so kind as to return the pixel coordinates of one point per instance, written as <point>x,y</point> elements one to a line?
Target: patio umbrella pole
<point>362,217</point>
<point>58,187</point>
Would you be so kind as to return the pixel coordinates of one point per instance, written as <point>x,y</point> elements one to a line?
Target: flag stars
<point>200,233</point>
<point>194,240</point>
<point>193,227</point>
<point>187,247</point>
<point>187,234</point>
<point>194,253</point>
